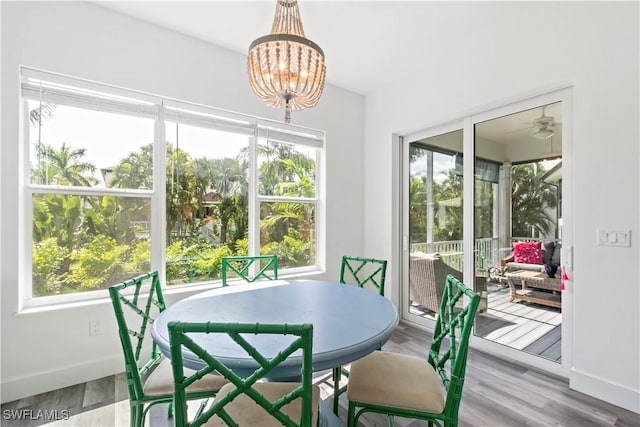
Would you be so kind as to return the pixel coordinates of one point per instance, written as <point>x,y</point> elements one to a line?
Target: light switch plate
<point>614,238</point>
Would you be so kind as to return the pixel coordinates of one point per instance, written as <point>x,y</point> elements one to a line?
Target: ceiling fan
<point>543,126</point>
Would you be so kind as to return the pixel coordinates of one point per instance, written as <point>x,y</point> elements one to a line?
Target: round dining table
<point>348,323</point>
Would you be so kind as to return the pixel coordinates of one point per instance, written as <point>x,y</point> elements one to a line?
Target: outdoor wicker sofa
<point>427,275</point>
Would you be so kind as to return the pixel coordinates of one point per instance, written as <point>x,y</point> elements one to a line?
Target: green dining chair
<point>364,273</point>
<point>422,388</point>
<point>245,400</point>
<point>149,381</point>
<point>241,266</point>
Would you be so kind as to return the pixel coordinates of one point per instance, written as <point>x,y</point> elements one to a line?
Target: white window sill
<point>173,290</point>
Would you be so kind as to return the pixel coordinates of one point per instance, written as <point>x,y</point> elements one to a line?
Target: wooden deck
<point>525,326</point>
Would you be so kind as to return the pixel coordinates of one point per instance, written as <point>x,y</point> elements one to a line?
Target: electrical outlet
<point>95,327</point>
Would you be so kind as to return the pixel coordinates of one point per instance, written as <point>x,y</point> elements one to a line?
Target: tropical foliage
<point>447,208</point>
<point>532,200</point>
<point>89,242</point>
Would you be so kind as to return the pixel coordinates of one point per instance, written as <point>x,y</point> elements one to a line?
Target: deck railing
<point>487,252</point>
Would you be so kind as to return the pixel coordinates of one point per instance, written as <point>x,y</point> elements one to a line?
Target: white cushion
<point>514,266</point>
<point>160,381</point>
<point>396,380</point>
<point>245,412</point>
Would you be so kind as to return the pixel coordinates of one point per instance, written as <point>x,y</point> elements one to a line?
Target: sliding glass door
<point>483,201</point>
<point>434,194</point>
<point>517,229</point>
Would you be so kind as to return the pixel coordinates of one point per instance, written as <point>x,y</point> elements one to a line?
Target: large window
<point>118,183</point>
<point>287,197</point>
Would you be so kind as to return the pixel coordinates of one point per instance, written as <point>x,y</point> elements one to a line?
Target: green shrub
<point>98,264</point>
<point>48,258</point>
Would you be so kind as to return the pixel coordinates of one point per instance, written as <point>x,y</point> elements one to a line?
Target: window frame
<point>164,108</point>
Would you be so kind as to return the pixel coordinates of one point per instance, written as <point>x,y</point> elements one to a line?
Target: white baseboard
<point>616,394</point>
<point>43,381</point>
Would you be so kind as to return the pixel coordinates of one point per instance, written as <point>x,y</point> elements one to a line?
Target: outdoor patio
<point>525,326</point>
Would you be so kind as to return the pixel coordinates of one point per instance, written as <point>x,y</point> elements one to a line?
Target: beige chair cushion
<point>244,411</point>
<point>160,381</point>
<point>396,380</point>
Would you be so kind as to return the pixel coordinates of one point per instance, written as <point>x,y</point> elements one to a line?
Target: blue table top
<point>348,322</point>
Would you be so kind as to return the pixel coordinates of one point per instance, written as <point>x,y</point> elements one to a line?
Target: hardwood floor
<point>496,394</point>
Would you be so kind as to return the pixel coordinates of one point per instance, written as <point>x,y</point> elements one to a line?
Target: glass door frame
<point>467,123</point>
<point>405,141</point>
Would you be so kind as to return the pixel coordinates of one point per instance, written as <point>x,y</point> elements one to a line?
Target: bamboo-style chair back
<point>128,300</point>
<point>249,268</point>
<point>136,307</point>
<point>363,272</point>
<point>450,342</point>
<point>126,296</point>
<point>244,392</point>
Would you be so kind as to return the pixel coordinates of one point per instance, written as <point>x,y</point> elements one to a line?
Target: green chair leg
<point>351,412</point>
<point>337,376</point>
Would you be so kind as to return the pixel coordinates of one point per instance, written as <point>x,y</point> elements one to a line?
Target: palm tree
<point>300,176</point>
<point>286,227</point>
<point>184,195</point>
<point>273,171</point>
<point>292,175</point>
<point>43,112</point>
<point>418,209</point>
<point>483,209</point>
<point>228,180</point>
<point>135,170</point>
<point>65,166</point>
<point>59,215</point>
<point>531,198</point>
<point>448,221</point>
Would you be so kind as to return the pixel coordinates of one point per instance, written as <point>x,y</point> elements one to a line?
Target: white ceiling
<point>504,129</point>
<point>367,44</point>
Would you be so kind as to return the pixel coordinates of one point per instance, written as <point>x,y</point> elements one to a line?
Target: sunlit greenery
<point>531,198</point>
<point>447,207</point>
<point>90,242</point>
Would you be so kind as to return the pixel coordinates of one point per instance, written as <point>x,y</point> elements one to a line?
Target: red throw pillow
<point>527,252</point>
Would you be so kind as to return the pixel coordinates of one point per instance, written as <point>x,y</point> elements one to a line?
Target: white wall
<point>52,349</point>
<point>505,51</point>
<point>593,46</point>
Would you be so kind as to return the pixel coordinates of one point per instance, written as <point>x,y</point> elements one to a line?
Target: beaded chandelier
<point>285,68</point>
